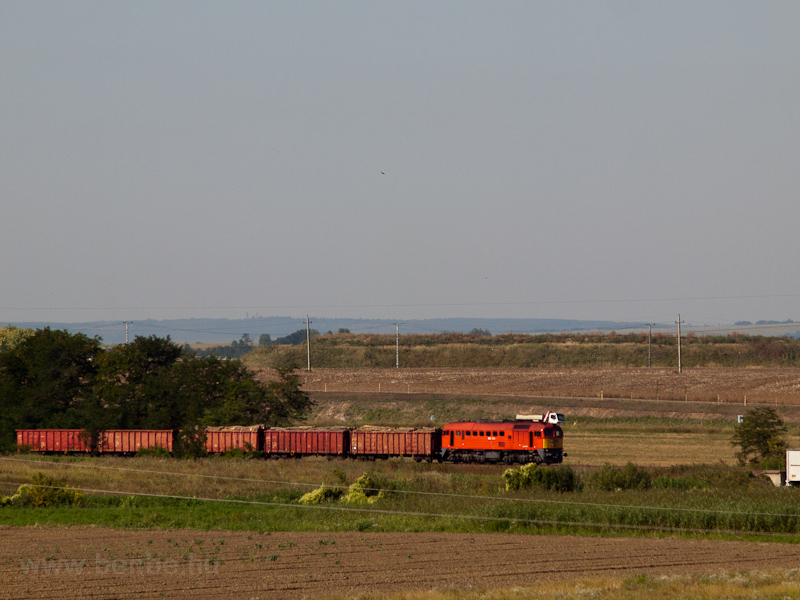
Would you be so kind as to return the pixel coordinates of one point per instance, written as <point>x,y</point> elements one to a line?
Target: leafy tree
<point>760,437</point>
<point>11,337</point>
<point>264,340</point>
<point>287,401</point>
<point>46,380</point>
<point>298,337</point>
<point>247,401</point>
<point>55,379</point>
<point>134,383</point>
<point>236,349</point>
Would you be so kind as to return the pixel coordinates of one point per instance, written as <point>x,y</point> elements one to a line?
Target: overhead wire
<point>407,492</point>
<point>418,514</point>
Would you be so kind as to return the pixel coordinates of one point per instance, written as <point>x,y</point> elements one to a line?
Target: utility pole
<point>650,344</point>
<point>308,341</point>
<point>397,346</point>
<point>680,369</point>
<point>126,332</point>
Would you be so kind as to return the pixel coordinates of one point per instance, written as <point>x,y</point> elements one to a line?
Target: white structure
<point>553,418</point>
<point>793,467</point>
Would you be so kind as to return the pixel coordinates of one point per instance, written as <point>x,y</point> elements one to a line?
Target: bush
<point>190,443</point>
<point>558,479</point>
<point>153,451</point>
<point>242,453</point>
<point>321,495</point>
<point>363,491</point>
<point>629,477</point>
<point>51,493</point>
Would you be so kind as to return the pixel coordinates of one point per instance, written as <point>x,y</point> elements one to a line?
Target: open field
<point>474,541</point>
<point>728,386</point>
<point>264,545</point>
<point>101,563</point>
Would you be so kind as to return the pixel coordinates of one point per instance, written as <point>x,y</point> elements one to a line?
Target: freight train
<point>519,441</point>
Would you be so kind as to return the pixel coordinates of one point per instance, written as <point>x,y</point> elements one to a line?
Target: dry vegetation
<point>779,386</point>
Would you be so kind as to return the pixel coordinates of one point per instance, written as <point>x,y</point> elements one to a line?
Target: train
<point>523,440</point>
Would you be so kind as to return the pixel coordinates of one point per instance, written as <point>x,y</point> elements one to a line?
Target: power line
<point>417,514</point>
<point>407,492</point>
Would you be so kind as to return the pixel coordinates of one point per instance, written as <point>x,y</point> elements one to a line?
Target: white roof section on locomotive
<point>554,418</point>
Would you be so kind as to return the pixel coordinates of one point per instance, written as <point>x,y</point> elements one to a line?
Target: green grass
<point>725,501</point>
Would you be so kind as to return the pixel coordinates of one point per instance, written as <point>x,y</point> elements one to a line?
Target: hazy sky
<point>590,160</point>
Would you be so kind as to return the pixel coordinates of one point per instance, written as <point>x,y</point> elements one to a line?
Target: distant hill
<point>226,330</point>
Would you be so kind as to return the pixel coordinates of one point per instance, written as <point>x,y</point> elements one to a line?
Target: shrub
<point>242,453</point>
<point>558,479</point>
<point>190,443</point>
<point>611,478</point>
<point>321,495</point>
<point>363,491</point>
<point>153,451</point>
<point>46,491</point>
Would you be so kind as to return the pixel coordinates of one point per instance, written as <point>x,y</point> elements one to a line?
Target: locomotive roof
<point>507,424</point>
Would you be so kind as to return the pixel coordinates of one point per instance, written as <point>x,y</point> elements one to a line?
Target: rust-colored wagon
<point>423,443</point>
<point>223,439</point>
<point>52,440</point>
<point>130,441</point>
<point>306,441</point>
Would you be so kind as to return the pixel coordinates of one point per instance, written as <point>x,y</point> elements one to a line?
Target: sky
<point>400,160</point>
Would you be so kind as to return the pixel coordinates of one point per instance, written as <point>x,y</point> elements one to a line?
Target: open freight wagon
<point>383,442</point>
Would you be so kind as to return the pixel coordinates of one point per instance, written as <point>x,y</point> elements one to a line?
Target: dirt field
<point>781,386</point>
<point>405,394</point>
<point>46,563</point>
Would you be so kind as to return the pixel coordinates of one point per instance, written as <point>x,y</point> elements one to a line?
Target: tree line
<point>55,379</point>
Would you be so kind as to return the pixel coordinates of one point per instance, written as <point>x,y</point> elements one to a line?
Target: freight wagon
<point>382,442</point>
<point>224,439</point>
<point>65,441</point>
<point>284,442</point>
<point>130,441</point>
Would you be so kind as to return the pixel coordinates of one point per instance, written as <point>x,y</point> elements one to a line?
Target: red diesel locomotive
<point>506,441</point>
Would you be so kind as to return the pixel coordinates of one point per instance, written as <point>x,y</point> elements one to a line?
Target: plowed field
<point>101,563</point>
<point>768,385</point>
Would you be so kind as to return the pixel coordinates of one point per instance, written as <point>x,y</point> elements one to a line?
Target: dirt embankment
<point>101,563</point>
